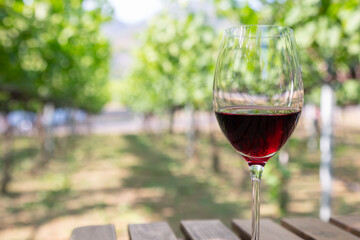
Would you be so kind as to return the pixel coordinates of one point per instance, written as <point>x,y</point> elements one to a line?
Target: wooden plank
<point>98,232</point>
<point>314,229</point>
<point>206,230</point>
<point>269,230</point>
<point>151,231</point>
<point>348,223</point>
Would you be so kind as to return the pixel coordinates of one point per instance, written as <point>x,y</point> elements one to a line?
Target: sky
<point>134,11</point>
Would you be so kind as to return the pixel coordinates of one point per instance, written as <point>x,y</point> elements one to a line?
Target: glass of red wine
<point>257,96</point>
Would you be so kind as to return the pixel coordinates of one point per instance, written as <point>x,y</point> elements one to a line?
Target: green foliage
<point>239,11</point>
<point>52,51</point>
<point>174,65</point>
<point>349,92</point>
<point>327,34</point>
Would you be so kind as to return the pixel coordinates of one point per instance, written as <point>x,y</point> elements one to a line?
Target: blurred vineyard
<point>82,146</point>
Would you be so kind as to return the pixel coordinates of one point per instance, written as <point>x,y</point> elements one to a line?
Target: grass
<point>141,178</point>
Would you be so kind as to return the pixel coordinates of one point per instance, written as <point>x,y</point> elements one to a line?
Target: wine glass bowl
<point>257,95</point>
<point>257,135</point>
<point>258,74</point>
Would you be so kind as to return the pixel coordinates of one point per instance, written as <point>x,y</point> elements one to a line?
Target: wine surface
<point>257,133</point>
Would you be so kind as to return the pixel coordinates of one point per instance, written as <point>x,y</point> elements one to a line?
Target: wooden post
<point>327,105</point>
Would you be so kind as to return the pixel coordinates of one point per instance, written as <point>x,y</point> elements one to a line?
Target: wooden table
<point>339,228</point>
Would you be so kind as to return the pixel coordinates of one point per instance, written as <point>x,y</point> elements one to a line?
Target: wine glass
<point>257,96</point>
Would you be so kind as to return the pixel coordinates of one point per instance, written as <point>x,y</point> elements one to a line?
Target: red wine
<point>257,133</point>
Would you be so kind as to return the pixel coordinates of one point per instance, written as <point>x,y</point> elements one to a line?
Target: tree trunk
<point>327,106</point>
<point>46,133</point>
<point>310,122</point>
<point>284,180</point>
<point>191,134</point>
<point>172,120</point>
<point>49,144</point>
<point>6,166</point>
<point>147,122</point>
<point>214,153</point>
<point>72,122</point>
<point>88,125</point>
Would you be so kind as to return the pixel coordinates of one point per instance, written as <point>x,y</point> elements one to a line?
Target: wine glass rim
<point>229,31</point>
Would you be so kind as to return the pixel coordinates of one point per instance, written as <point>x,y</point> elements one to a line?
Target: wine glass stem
<point>256,172</point>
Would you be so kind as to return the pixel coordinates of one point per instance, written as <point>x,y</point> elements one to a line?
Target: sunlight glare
<point>135,11</point>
